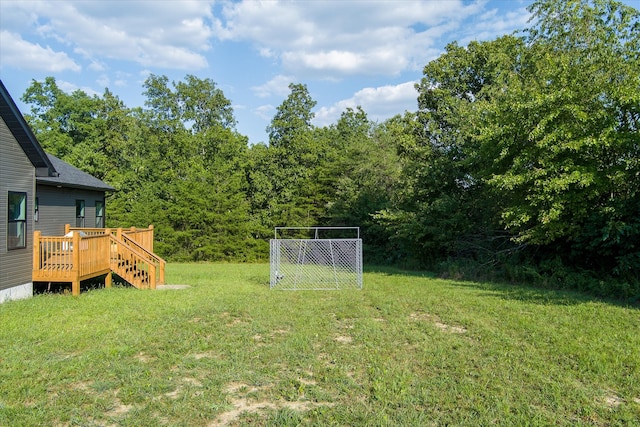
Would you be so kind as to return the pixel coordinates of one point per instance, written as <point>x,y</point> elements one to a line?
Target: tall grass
<point>405,350</point>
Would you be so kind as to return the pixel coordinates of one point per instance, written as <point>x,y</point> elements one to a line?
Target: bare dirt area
<point>171,287</point>
<point>243,402</point>
<point>431,318</point>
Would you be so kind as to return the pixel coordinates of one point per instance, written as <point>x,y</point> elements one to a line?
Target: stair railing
<point>132,264</point>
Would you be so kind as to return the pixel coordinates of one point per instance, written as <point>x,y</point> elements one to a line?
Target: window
<point>99,214</point>
<point>79,213</point>
<point>17,221</point>
<point>36,210</point>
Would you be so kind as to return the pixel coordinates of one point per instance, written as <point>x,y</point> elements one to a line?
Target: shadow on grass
<point>262,281</point>
<point>508,291</point>
<point>396,271</point>
<point>540,295</point>
<point>85,285</point>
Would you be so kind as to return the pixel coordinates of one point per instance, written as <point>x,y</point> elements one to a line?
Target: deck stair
<point>135,264</point>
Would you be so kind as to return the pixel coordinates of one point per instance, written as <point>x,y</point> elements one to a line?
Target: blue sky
<point>348,53</point>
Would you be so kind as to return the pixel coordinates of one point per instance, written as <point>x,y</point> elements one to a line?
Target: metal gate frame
<point>315,263</point>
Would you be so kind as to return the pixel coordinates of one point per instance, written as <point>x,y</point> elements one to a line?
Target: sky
<point>348,53</point>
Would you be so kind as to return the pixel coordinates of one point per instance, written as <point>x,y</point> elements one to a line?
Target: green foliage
<point>289,170</point>
<point>522,162</point>
<point>535,138</point>
<point>570,154</point>
<point>364,177</point>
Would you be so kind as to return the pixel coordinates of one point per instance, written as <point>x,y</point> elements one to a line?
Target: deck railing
<point>142,236</point>
<point>92,252</point>
<point>141,239</point>
<point>70,259</point>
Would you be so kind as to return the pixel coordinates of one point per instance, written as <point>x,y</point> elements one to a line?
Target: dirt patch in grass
<point>205,355</point>
<point>234,319</point>
<point>119,409</point>
<point>307,381</point>
<point>233,388</point>
<point>451,328</point>
<point>235,322</point>
<point>171,287</point>
<point>179,389</point>
<point>344,339</point>
<point>243,403</point>
<point>431,318</point>
<point>613,401</point>
<point>144,358</point>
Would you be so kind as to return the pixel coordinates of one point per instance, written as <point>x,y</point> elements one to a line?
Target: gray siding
<point>57,207</point>
<point>16,174</point>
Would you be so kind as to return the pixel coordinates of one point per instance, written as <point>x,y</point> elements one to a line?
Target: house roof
<point>70,176</point>
<point>24,135</point>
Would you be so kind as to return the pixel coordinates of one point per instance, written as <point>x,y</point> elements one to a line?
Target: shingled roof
<point>72,177</point>
<point>23,134</point>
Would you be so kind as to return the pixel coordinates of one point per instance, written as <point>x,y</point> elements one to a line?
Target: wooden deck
<point>93,252</point>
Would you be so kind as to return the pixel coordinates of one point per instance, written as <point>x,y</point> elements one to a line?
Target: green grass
<point>406,350</point>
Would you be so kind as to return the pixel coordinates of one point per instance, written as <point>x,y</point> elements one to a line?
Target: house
<point>71,197</point>
<point>42,199</point>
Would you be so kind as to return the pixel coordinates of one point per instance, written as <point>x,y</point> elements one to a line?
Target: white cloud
<point>70,87</point>
<point>279,86</point>
<point>97,66</point>
<point>341,38</point>
<point>380,61</point>
<point>166,34</point>
<point>492,24</point>
<point>22,54</point>
<point>380,103</point>
<point>265,112</point>
<point>103,80</point>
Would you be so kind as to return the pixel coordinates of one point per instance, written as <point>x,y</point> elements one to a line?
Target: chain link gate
<point>320,263</point>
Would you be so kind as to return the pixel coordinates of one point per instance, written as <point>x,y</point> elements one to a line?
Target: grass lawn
<point>406,350</point>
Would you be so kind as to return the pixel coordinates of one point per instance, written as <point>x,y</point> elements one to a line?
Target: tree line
<point>522,162</point>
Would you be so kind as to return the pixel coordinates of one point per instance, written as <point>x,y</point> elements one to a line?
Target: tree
<point>364,178</point>
<point>565,134</point>
<point>293,156</point>
<point>291,125</point>
<point>537,135</point>
<point>67,125</point>
<point>445,208</point>
<point>200,179</point>
<point>203,104</point>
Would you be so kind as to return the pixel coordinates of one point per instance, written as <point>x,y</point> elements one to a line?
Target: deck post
<point>162,272</point>
<point>36,250</point>
<point>75,284</point>
<point>67,228</point>
<point>150,248</point>
<point>108,279</point>
<point>75,288</point>
<point>152,276</point>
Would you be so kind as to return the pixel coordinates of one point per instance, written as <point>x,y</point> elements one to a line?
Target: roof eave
<point>28,142</point>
